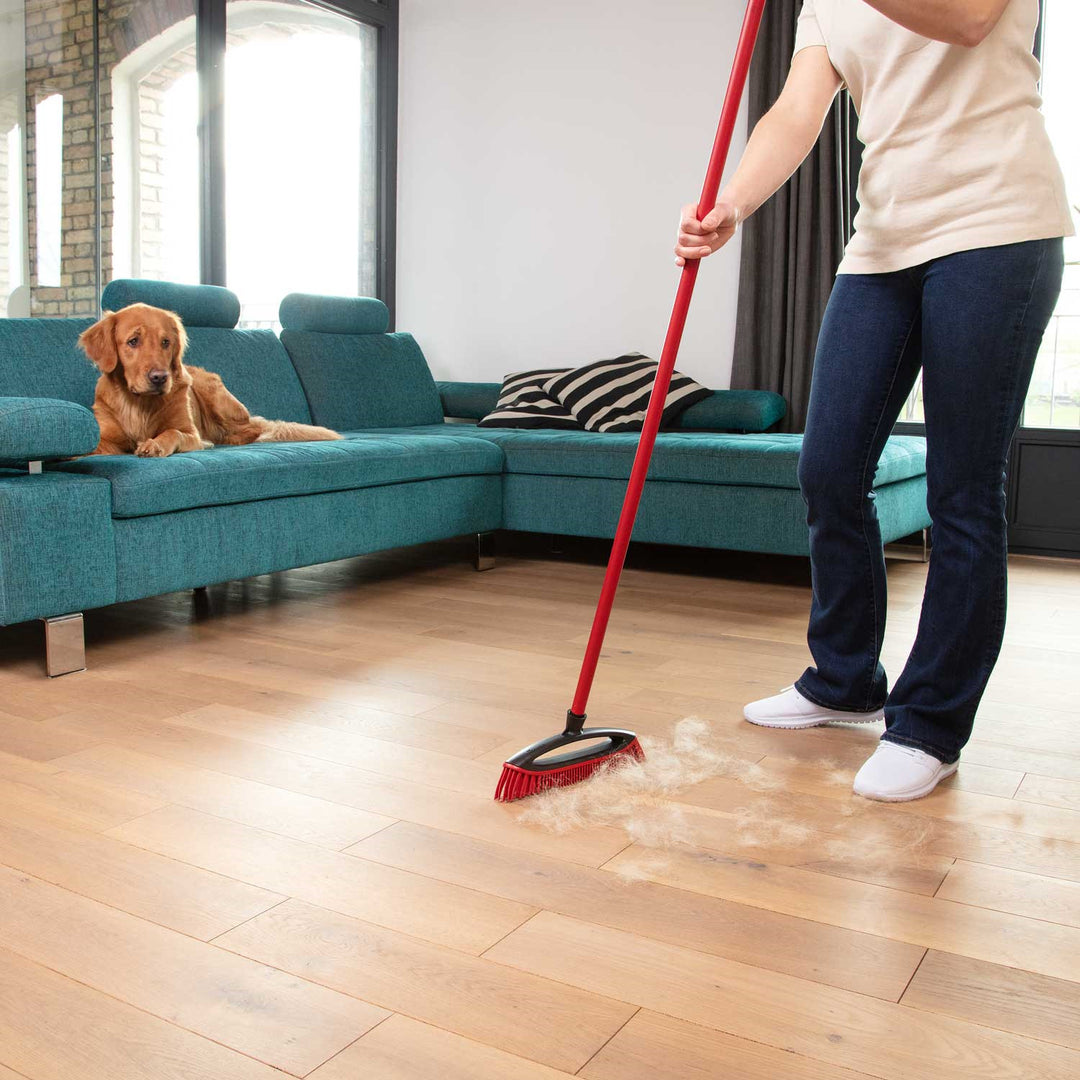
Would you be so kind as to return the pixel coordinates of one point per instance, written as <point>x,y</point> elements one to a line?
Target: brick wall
<point>60,55</point>
<point>60,59</point>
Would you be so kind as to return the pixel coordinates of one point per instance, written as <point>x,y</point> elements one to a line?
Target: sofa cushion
<point>357,381</point>
<point>733,410</point>
<point>524,403</point>
<point>42,358</point>
<point>197,305</point>
<point>694,457</point>
<point>256,369</point>
<point>142,486</point>
<point>468,400</point>
<point>334,314</point>
<point>39,429</point>
<point>614,395</point>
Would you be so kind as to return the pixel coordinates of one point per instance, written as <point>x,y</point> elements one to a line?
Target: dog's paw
<point>150,448</point>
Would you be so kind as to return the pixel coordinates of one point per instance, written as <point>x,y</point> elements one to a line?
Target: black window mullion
<point>386,229</point>
<point>210,62</point>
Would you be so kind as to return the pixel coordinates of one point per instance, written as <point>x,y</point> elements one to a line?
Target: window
<point>247,143</point>
<point>1054,397</point>
<point>13,254</point>
<point>300,137</point>
<point>154,104</point>
<point>49,169</point>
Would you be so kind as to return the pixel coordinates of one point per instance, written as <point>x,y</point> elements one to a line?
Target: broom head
<point>540,766</point>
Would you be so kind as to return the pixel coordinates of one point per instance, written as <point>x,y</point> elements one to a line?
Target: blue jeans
<point>973,322</point>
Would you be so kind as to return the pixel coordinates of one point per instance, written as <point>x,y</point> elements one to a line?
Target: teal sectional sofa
<point>413,467</point>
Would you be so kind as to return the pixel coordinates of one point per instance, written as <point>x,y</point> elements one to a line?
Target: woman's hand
<point>781,140</point>
<point>697,239</point>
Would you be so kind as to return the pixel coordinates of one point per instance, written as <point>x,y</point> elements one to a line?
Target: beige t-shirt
<point>956,151</point>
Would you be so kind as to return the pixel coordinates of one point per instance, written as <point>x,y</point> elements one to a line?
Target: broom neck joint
<point>574,722</point>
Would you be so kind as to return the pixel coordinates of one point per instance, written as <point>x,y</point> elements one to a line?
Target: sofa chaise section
<point>718,479</point>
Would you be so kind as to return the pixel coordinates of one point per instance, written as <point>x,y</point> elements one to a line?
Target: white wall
<point>545,149</point>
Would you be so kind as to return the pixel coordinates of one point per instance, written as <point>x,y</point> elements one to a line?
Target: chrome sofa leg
<point>926,545</point>
<point>65,649</point>
<point>485,551</point>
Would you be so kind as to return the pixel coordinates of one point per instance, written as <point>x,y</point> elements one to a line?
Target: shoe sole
<point>817,721</point>
<point>910,796</point>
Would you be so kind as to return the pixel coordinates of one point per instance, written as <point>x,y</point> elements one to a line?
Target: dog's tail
<point>286,431</point>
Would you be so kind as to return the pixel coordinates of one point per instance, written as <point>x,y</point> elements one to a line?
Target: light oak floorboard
<point>433,910</point>
<point>301,817</point>
<point>1012,891</point>
<point>257,1010</point>
<point>403,1049</point>
<point>342,747</point>
<point>998,937</point>
<point>161,890</point>
<point>830,1025</point>
<point>52,1028</point>
<point>391,797</point>
<point>523,1014</point>
<point>81,802</point>
<point>871,965</point>
<point>1019,1001</point>
<point>1051,791</point>
<point>657,1047</point>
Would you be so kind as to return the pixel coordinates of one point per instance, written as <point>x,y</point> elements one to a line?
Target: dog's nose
<point>158,378</point>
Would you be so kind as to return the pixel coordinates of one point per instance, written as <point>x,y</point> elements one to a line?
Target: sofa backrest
<point>355,374</point>
<point>41,358</point>
<point>253,363</point>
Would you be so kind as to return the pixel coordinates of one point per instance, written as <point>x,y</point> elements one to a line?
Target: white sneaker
<point>789,709</point>
<point>895,773</point>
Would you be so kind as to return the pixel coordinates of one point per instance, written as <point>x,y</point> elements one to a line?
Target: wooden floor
<point>256,839</point>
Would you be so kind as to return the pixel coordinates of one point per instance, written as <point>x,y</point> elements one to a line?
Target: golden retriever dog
<point>150,402</point>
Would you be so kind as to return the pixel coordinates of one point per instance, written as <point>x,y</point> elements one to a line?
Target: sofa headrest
<point>333,314</point>
<point>197,305</point>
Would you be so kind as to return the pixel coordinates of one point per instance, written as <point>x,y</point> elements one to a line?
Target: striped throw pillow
<point>613,395</point>
<point>523,403</point>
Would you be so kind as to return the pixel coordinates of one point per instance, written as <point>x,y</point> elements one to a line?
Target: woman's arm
<point>957,22</point>
<point>781,140</point>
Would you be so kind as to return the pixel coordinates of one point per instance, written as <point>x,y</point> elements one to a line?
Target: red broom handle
<point>740,68</point>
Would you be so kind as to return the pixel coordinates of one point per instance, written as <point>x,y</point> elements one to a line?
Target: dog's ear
<point>179,340</point>
<point>99,343</point>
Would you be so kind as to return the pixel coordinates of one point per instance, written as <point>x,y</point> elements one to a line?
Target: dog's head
<point>140,346</point>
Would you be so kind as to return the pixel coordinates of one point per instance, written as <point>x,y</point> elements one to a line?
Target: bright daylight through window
<point>1053,400</point>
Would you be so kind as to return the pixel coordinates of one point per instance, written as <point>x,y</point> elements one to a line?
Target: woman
<point>955,266</point>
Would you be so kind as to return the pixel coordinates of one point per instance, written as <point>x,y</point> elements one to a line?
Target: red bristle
<point>517,783</point>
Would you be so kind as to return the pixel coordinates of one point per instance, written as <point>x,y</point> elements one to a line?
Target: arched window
<point>300,155</point>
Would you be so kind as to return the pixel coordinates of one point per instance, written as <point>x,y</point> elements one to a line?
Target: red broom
<point>532,770</point>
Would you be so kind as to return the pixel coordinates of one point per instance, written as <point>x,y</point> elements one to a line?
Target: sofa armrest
<point>468,400</point>
<point>735,411</point>
<point>41,429</point>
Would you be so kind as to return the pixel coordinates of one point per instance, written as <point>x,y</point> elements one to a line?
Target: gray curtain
<point>792,246</point>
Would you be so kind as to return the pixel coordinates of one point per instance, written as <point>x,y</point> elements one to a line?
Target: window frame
<point>210,38</point>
